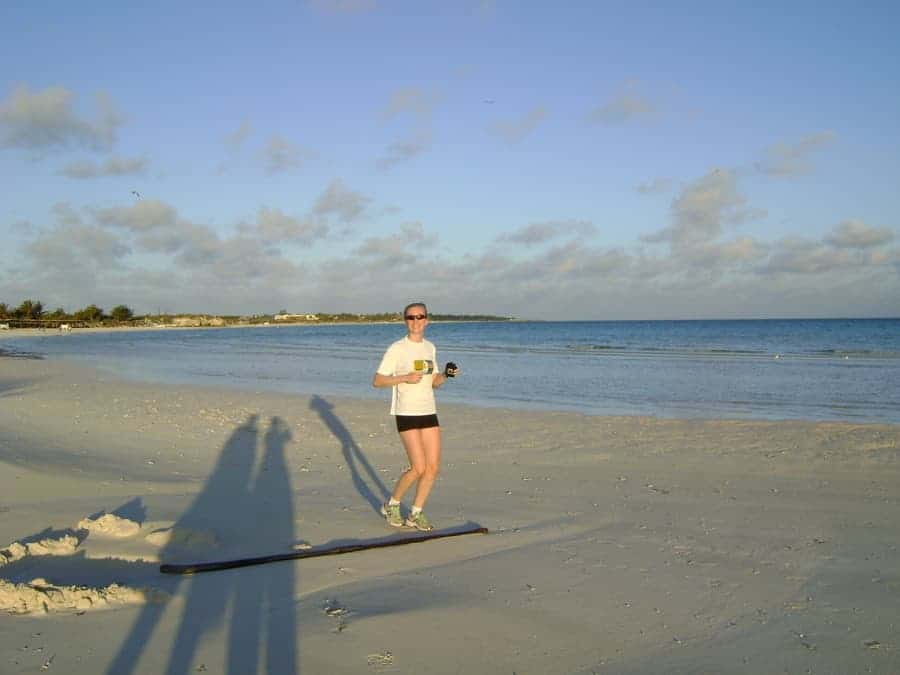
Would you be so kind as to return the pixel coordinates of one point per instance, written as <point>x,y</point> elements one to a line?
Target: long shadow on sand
<point>353,455</point>
<point>252,500</point>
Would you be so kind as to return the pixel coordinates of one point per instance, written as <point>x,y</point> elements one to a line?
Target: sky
<point>543,160</point>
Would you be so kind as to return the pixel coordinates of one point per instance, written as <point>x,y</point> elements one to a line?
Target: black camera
<point>450,369</point>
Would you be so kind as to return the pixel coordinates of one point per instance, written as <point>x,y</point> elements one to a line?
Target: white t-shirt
<point>401,358</point>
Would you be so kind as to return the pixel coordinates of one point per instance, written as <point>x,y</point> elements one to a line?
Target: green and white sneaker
<point>392,513</point>
<point>419,521</point>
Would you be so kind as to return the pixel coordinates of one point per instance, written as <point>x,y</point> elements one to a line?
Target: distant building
<point>196,321</point>
<point>296,317</point>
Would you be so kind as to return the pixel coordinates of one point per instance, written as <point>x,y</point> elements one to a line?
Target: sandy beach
<point>616,544</point>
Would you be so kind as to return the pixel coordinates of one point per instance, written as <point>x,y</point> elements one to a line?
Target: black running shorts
<point>407,422</point>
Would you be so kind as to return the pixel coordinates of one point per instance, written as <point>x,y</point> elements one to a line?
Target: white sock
<point>393,502</point>
<point>415,510</point>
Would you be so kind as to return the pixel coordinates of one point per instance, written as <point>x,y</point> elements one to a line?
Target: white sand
<point>617,545</point>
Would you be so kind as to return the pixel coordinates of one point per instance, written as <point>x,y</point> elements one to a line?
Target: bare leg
<point>431,441</point>
<point>415,451</point>
<point>423,448</point>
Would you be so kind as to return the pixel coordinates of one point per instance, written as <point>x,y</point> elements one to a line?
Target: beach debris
<point>334,608</point>
<point>302,546</point>
<point>871,644</point>
<point>110,525</point>
<point>654,488</point>
<point>380,659</point>
<point>804,641</point>
<point>46,665</point>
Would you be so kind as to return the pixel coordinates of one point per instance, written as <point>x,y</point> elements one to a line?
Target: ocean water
<point>835,369</point>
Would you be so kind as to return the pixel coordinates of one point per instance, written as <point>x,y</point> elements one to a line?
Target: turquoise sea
<point>834,369</point>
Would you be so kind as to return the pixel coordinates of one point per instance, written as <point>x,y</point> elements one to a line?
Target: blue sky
<point>542,160</point>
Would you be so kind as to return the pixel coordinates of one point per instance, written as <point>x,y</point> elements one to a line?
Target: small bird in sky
<point>136,193</point>
<point>489,101</point>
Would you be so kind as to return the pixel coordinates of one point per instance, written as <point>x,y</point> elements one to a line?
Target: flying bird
<point>489,101</point>
<point>136,193</point>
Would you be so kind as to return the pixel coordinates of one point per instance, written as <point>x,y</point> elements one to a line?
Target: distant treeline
<point>33,310</point>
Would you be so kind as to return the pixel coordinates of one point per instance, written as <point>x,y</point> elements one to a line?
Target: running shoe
<point>419,521</point>
<point>392,513</point>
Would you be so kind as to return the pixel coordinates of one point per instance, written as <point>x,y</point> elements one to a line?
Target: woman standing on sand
<point>409,366</point>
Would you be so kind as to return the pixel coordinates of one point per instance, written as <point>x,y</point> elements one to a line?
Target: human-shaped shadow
<point>237,501</point>
<point>264,596</point>
<point>353,455</point>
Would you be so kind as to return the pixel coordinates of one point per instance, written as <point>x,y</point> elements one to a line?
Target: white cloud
<point>514,131</point>
<point>408,245</point>
<point>856,234</point>
<point>143,215</point>
<point>274,227</point>
<point>800,255</point>
<point>348,205</point>
<point>539,233</point>
<point>158,229</point>
<point>235,140</point>
<point>73,245</point>
<point>113,166</point>
<point>404,151</point>
<point>42,120</point>
<point>699,213</point>
<point>785,160</point>
<point>65,214</point>
<point>627,106</point>
<point>413,100</point>
<point>280,155</point>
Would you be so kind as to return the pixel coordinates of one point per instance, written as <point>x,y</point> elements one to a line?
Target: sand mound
<point>64,545</point>
<point>110,525</point>
<point>42,597</point>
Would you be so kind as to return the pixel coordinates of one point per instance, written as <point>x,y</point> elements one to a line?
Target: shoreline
<point>32,332</point>
<point>500,407</point>
<point>625,544</point>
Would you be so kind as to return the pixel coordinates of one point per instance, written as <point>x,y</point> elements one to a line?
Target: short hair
<point>415,304</point>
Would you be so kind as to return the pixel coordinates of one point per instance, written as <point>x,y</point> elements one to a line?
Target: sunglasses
<point>416,317</point>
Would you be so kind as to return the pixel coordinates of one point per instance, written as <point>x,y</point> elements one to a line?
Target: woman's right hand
<point>413,378</point>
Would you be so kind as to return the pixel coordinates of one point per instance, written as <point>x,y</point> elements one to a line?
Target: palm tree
<point>121,313</point>
<point>91,313</point>
<point>30,309</point>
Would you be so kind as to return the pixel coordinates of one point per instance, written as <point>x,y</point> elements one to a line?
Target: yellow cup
<point>419,365</point>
